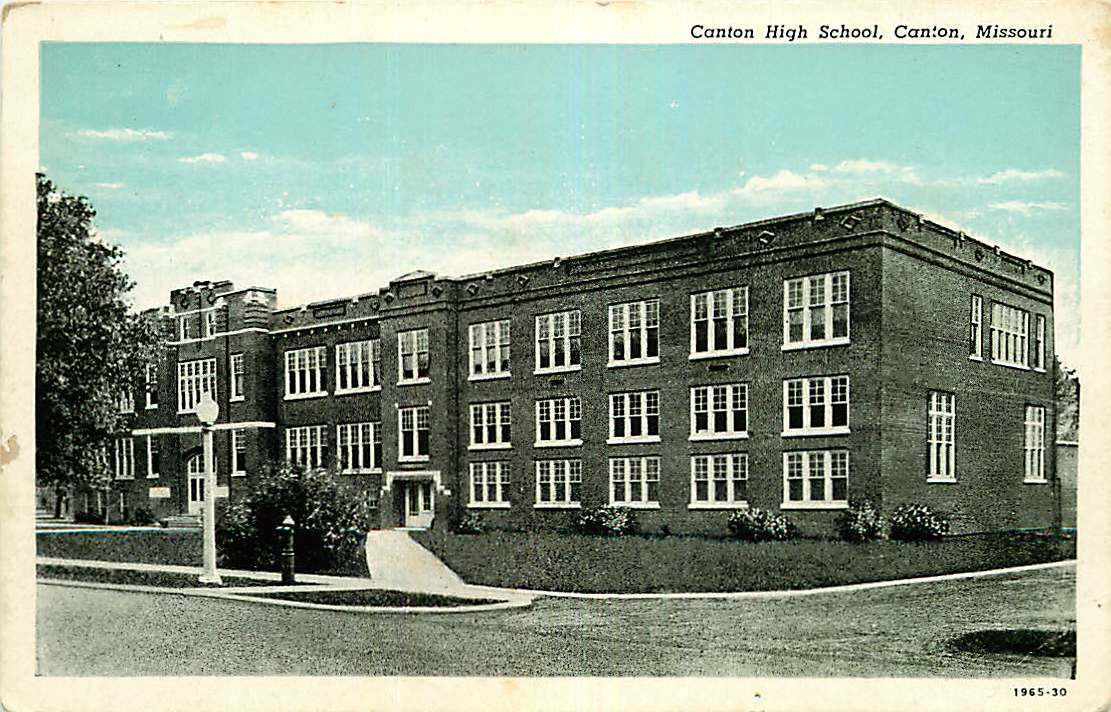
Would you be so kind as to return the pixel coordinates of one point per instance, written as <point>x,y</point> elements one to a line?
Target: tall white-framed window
<point>412,357</point>
<point>818,405</point>
<point>305,371</point>
<point>307,446</point>
<point>489,485</point>
<point>153,460</point>
<point>634,333</point>
<point>209,322</point>
<point>634,417</point>
<point>976,330</point>
<point>491,426</point>
<point>195,378</point>
<point>413,433</point>
<point>125,401</point>
<point>941,437</point>
<point>1034,444</point>
<point>358,366</point>
<point>238,452</point>
<point>558,345</point>
<point>185,329</point>
<point>235,371</point>
<point>1039,342</point>
<point>125,459</point>
<point>635,482</point>
<point>558,483</point>
<point>816,310</point>
<point>719,481</point>
<point>815,479</point>
<point>150,386</point>
<point>489,343</point>
<point>719,412</point>
<point>719,323</point>
<point>359,446</point>
<point>558,422</point>
<point>1010,328</point>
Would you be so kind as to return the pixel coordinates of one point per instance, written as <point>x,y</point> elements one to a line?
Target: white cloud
<point>248,155</point>
<point>320,223</point>
<point>865,166</point>
<point>1012,175</point>
<point>783,180</point>
<point>1026,208</point>
<point>818,167</point>
<point>203,158</point>
<point>109,186</point>
<point>126,134</point>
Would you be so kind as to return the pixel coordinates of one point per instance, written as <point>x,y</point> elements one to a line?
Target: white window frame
<point>302,367</point>
<point>481,413</point>
<point>358,448</point>
<point>235,376</point>
<point>194,379</point>
<point>568,324</point>
<point>634,407</point>
<point>1010,332</point>
<point>151,387</point>
<point>125,402</point>
<point>489,339</point>
<point>827,458</point>
<point>704,307</point>
<point>1039,342</point>
<point>568,406</point>
<point>351,357</point>
<point>565,472</point>
<point>646,314</point>
<point>124,460</point>
<point>312,440</point>
<point>976,330</point>
<point>483,475</point>
<point>208,319</point>
<point>810,386</point>
<point>153,451</point>
<point>809,309</point>
<point>239,452</point>
<point>636,494</point>
<point>734,465</point>
<point>1033,445</point>
<point>707,398</point>
<point>941,437</point>
<point>417,413</point>
<point>411,344</point>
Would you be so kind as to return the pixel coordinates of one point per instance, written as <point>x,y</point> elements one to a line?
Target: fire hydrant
<point>287,556</point>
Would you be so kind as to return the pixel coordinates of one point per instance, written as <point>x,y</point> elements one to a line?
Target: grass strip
<point>374,597</point>
<point>161,579</point>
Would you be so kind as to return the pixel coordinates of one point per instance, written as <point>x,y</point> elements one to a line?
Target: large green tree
<point>1068,402</point>
<point>91,345</point>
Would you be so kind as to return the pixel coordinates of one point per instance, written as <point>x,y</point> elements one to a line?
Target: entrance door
<point>418,504</point>
<point>195,467</point>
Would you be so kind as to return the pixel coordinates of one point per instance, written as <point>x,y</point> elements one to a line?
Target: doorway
<point>195,468</point>
<point>417,503</point>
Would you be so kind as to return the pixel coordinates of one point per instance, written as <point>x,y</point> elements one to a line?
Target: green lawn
<point>162,579</point>
<point>373,597</point>
<point>642,564</point>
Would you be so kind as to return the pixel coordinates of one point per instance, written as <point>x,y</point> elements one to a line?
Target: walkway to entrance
<point>397,562</point>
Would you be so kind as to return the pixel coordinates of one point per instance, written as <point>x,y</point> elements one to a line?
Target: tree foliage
<point>90,344</point>
<point>1068,402</point>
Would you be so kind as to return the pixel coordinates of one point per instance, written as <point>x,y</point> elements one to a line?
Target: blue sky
<point>326,170</point>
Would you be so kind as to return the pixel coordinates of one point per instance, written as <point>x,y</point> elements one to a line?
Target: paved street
<point>894,631</point>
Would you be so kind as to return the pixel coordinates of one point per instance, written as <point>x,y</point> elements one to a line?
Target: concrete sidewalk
<point>397,562</point>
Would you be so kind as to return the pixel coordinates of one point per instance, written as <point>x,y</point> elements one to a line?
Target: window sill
<point>414,458</point>
<point>152,477</point>
<point>557,369</point>
<point>814,505</point>
<point>635,505</point>
<point>941,480</point>
<point>634,440</point>
<point>707,437</point>
<point>652,360</point>
<point>491,446</point>
<point>239,474</point>
<point>815,433</point>
<point>489,376</point>
<point>976,358</point>
<point>354,391</point>
<point>363,471</point>
<point>1016,366</point>
<point>1036,482</point>
<point>488,505</point>
<point>415,382</point>
<point>152,407</point>
<point>558,443</point>
<point>557,505</point>
<point>802,345</point>
<point>304,396</point>
<point>237,399</point>
<point>1039,370</point>
<point>125,479</point>
<point>718,505</point>
<point>703,355</point>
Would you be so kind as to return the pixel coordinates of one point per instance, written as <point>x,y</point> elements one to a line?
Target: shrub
<point>761,525</point>
<point>917,522</point>
<point>471,523</point>
<point>606,521</point>
<point>88,518</point>
<point>861,522</point>
<point>329,522</point>
<point>141,517</point>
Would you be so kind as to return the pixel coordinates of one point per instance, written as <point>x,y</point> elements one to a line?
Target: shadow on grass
<point>1017,641</point>
<point>161,579</point>
<point>375,597</point>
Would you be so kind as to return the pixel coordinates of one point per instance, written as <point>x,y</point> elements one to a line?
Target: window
<point>153,465</point>
<point>307,446</point>
<point>151,387</point>
<point>976,333</point>
<point>195,378</point>
<point>816,406</point>
<point>490,425</point>
<point>412,356</point>
<point>1039,342</point>
<point>559,421</point>
<point>816,479</point>
<point>635,482</point>
<point>125,401</point>
<point>558,483</point>
<point>634,417</point>
<point>236,371</point>
<point>719,481</point>
<point>1034,445</point>
<point>558,347</point>
<point>489,484</point>
<point>719,322</point>
<point>125,458</point>
<point>359,446</point>
<point>941,437</point>
<point>239,451</point>
<point>210,323</point>
<point>719,412</point>
<point>358,366</point>
<point>184,327</point>
<point>816,310</point>
<point>635,333</point>
<point>490,349</point>
<point>413,433</point>
<point>304,372</point>
<point>1009,330</point>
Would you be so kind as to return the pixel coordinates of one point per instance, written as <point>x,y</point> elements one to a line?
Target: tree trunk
<point>58,494</point>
